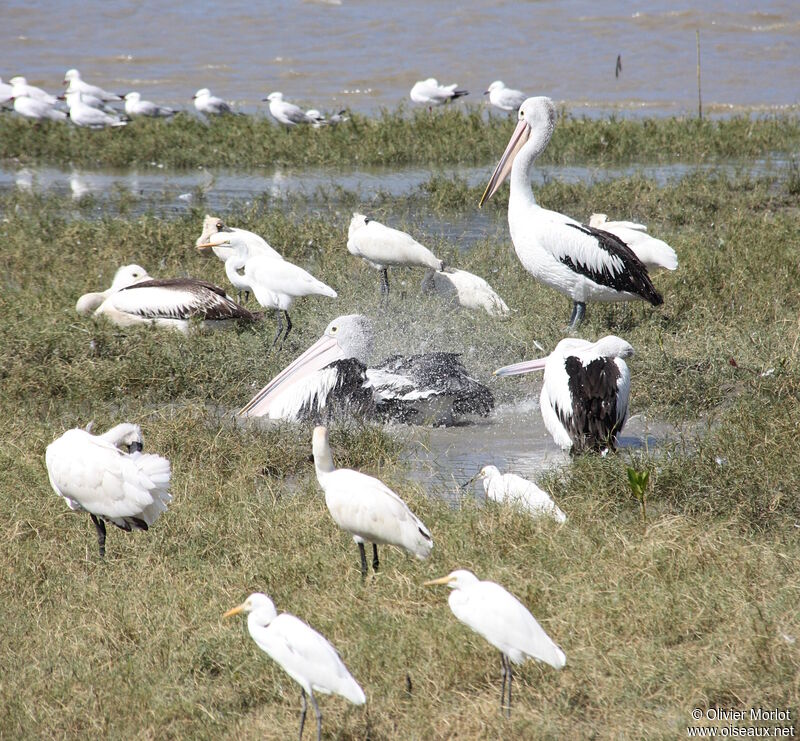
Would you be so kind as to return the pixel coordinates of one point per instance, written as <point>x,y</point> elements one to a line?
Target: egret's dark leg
<point>384,282</point>
<point>375,562</point>
<point>363,560</point>
<point>280,328</point>
<point>503,686</point>
<point>578,312</point>
<point>303,714</point>
<point>288,327</point>
<point>247,297</point>
<point>319,717</point>
<point>239,296</point>
<point>100,525</point>
<point>510,677</point>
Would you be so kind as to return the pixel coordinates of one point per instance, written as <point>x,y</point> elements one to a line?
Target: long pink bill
<point>501,172</point>
<point>322,353</point>
<point>526,366</point>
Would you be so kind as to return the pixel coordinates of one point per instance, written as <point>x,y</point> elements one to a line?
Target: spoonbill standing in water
<point>585,263</point>
<point>587,385</point>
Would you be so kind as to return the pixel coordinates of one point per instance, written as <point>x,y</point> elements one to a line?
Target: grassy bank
<point>697,609</point>
<point>452,136</point>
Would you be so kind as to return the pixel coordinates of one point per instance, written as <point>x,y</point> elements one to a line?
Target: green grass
<point>697,609</point>
<point>464,135</point>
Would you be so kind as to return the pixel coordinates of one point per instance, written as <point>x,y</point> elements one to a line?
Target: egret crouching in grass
<point>513,489</point>
<point>501,619</point>
<point>128,489</point>
<point>305,655</point>
<point>366,508</point>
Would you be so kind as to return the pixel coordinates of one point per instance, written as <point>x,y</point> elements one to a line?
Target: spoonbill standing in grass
<point>505,98</point>
<point>274,282</point>
<point>366,508</point>
<point>465,289</point>
<point>384,247</point>
<point>513,489</point>
<point>205,102</point>
<point>585,263</point>
<point>587,385</point>
<point>654,253</point>
<point>498,616</point>
<point>129,489</point>
<point>305,655</point>
<point>216,234</point>
<point>430,93</point>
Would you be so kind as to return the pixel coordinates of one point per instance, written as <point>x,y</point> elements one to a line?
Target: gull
<point>207,103</point>
<point>585,263</point>
<point>654,253</point>
<point>430,93</point>
<point>37,109</point>
<point>6,93</point>
<point>366,508</point>
<point>289,114</point>
<point>216,235</point>
<point>305,655</point>
<point>20,88</point>
<point>584,398</point>
<point>91,472</point>
<point>331,378</point>
<point>384,247</point>
<point>135,106</point>
<point>74,83</point>
<point>497,615</point>
<point>505,98</point>
<point>511,488</point>
<point>82,114</point>
<point>465,289</point>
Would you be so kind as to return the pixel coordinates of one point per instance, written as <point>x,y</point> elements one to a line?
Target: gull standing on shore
<point>73,81</point>
<point>205,102</point>
<point>135,106</point>
<point>289,114</point>
<point>430,93</point>
<point>505,98</point>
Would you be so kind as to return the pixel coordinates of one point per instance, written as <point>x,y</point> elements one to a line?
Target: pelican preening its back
<point>584,398</point>
<point>384,247</point>
<point>497,615</point>
<point>305,655</point>
<point>654,253</point>
<point>513,489</point>
<point>129,489</point>
<point>465,289</point>
<point>581,261</point>
<point>332,378</point>
<point>366,508</point>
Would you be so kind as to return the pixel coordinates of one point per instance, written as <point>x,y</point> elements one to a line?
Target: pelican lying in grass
<point>584,399</point>
<point>465,289</point>
<point>305,655</point>
<point>366,508</point>
<point>129,489</point>
<point>331,378</point>
<point>136,298</point>
<point>512,489</point>
<point>498,616</point>
<point>216,235</point>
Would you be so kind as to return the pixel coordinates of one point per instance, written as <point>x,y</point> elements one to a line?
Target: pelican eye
<point>334,330</point>
<point>220,226</point>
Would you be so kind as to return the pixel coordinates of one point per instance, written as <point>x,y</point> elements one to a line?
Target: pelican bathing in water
<point>584,399</point>
<point>581,261</point>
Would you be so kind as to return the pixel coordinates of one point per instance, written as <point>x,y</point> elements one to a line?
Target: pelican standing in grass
<point>498,616</point>
<point>305,655</point>
<point>274,282</point>
<point>129,489</point>
<point>465,289</point>
<point>585,263</point>
<point>587,385</point>
<point>654,253</point>
<point>512,489</point>
<point>216,235</point>
<point>384,247</point>
<point>366,508</point>
<point>430,93</point>
<point>505,98</point>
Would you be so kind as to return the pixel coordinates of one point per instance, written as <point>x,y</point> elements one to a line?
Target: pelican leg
<point>319,717</point>
<point>375,562</point>
<point>363,554</point>
<point>384,282</point>
<point>578,312</point>
<point>280,329</point>
<point>303,714</point>
<point>100,526</point>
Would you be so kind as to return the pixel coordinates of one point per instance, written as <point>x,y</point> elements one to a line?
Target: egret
<point>511,488</point>
<point>305,655</point>
<point>366,508</point>
<point>216,234</point>
<point>498,616</point>
<point>465,289</point>
<point>128,489</point>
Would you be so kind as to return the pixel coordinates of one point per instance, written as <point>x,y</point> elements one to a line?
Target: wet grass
<point>697,609</point>
<point>463,135</point>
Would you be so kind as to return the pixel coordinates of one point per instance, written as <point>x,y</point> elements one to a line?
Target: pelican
<point>584,399</point>
<point>274,282</point>
<point>135,106</point>
<point>82,114</point>
<point>508,487</point>
<point>584,263</point>
<point>21,88</point>
<point>464,289</point>
<point>384,247</point>
<point>430,93</point>
<point>205,102</point>
<point>498,616</point>
<point>305,655</point>
<point>128,489</point>
<point>366,508</point>
<point>332,377</point>
<point>216,235</point>
<point>37,109</point>
<point>289,114</point>
<point>654,253</point>
<point>136,298</point>
<point>505,98</point>
<point>73,81</point>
